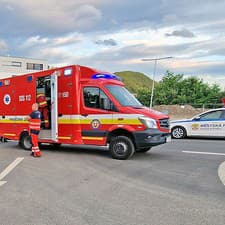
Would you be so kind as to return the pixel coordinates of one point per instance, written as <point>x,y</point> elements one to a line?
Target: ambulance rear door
<point>54,107</point>
<point>50,89</point>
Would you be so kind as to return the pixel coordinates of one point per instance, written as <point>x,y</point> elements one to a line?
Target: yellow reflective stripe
<point>127,121</point>
<point>69,121</point>
<point>64,138</point>
<point>40,95</point>
<point>93,138</point>
<point>8,134</point>
<point>14,121</point>
<point>42,103</point>
<point>102,121</point>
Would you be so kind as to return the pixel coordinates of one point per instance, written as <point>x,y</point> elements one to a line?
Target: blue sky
<point>116,35</point>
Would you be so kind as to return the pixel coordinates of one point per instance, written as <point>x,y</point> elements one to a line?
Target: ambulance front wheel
<point>25,141</point>
<point>121,147</point>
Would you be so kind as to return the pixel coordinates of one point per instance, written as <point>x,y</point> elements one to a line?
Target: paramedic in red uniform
<point>34,125</point>
<point>43,108</point>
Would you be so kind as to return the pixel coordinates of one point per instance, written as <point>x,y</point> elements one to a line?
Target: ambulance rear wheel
<point>25,141</point>
<point>121,147</point>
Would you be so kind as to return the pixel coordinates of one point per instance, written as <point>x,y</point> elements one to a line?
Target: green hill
<point>135,80</point>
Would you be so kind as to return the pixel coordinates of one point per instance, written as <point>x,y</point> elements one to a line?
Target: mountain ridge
<point>135,80</point>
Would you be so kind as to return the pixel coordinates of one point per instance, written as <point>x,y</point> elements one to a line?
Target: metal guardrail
<point>185,110</point>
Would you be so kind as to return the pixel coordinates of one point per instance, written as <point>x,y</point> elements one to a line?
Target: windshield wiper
<point>136,106</point>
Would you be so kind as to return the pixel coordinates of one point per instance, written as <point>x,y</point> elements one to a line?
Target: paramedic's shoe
<point>37,154</point>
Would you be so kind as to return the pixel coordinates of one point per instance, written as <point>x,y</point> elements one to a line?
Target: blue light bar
<point>106,76</point>
<point>1,83</point>
<point>29,78</point>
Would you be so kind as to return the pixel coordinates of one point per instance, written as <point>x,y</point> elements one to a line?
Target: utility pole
<point>154,73</point>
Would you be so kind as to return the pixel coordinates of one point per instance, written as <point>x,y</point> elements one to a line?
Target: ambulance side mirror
<point>106,104</point>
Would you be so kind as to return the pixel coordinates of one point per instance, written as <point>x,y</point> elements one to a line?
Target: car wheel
<point>178,132</point>
<point>121,147</point>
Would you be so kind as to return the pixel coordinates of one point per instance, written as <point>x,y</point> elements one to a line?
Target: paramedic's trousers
<point>35,148</point>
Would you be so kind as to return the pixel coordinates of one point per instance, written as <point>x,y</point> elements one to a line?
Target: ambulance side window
<point>95,98</point>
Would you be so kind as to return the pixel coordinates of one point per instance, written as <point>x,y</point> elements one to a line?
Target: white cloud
<point>3,46</point>
<point>181,33</point>
<point>56,15</point>
<point>210,79</point>
<point>36,40</point>
<point>66,32</point>
<point>107,42</point>
<point>67,39</point>
<point>59,41</point>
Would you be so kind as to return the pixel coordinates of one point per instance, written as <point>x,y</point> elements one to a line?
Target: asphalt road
<point>80,186</point>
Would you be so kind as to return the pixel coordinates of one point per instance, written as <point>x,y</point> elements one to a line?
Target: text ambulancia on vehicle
<point>81,105</point>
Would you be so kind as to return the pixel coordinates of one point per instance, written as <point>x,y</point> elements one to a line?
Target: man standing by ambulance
<point>34,125</point>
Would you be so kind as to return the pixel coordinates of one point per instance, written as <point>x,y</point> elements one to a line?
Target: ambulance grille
<point>164,123</point>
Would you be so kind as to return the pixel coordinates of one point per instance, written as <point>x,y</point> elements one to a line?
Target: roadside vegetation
<point>173,89</point>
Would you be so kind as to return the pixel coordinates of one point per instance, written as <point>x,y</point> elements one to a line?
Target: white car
<point>207,124</point>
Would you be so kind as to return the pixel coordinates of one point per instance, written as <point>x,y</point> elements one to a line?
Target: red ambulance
<point>84,107</point>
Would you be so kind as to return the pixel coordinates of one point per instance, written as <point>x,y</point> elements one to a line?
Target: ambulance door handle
<point>84,115</point>
<point>60,115</point>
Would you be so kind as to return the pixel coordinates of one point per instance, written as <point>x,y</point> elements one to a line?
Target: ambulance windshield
<point>123,96</point>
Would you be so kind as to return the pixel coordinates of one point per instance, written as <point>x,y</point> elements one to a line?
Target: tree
<point>143,95</point>
<point>175,89</point>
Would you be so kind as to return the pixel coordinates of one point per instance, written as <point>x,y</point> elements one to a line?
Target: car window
<point>212,115</point>
<point>223,115</point>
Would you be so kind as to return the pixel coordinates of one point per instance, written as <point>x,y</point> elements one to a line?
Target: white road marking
<point>204,153</point>
<point>8,169</point>
<point>221,172</point>
<point>2,182</point>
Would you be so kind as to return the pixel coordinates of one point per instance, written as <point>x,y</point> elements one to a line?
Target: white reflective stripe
<point>35,149</point>
<point>77,116</point>
<point>102,116</point>
<point>34,127</point>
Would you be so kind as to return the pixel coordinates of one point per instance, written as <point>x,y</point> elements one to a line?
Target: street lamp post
<point>154,72</point>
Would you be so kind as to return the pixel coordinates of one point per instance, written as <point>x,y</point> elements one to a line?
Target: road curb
<point>221,172</point>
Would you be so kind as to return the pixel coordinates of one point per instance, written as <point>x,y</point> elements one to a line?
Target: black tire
<point>25,141</point>
<point>56,145</point>
<point>121,147</point>
<point>178,132</point>
<point>143,149</point>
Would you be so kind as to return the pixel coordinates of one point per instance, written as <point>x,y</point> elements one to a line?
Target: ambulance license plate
<point>168,139</point>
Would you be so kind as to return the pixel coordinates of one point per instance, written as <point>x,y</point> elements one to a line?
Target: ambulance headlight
<point>148,122</point>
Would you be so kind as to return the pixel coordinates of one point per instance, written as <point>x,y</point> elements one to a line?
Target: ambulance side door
<point>96,116</point>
